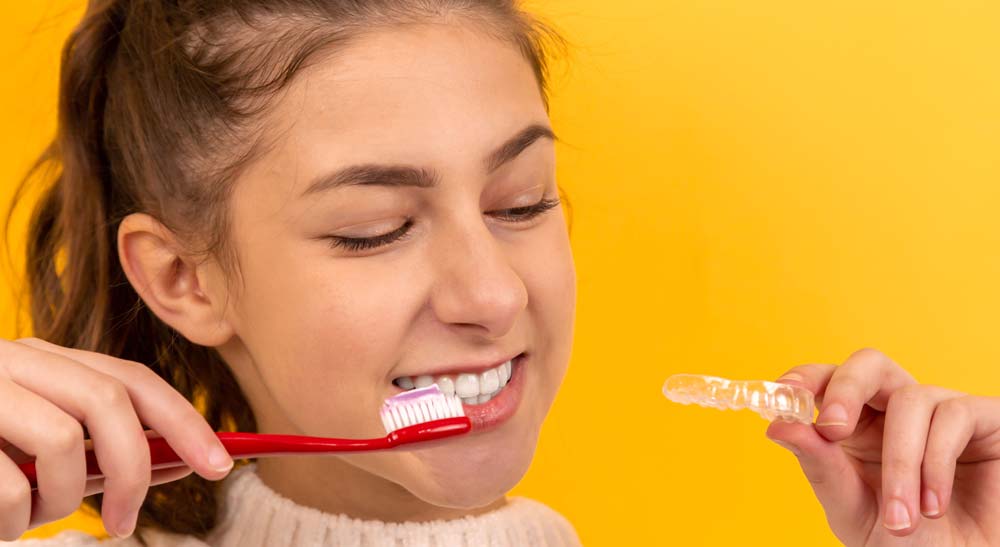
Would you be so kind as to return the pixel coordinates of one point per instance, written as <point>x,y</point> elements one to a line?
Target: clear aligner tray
<point>772,400</point>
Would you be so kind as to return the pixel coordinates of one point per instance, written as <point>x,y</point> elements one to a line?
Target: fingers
<point>868,377</point>
<point>159,476</point>
<point>65,393</point>
<point>102,403</point>
<point>15,500</point>
<point>158,406</point>
<point>904,439</point>
<point>925,430</point>
<point>57,440</point>
<point>836,483</point>
<point>813,377</point>
<point>955,423</point>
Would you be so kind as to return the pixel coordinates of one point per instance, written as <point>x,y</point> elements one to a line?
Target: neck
<point>332,485</point>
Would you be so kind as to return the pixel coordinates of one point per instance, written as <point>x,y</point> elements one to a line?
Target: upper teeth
<point>472,388</point>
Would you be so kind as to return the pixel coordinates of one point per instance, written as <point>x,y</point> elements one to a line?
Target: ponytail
<point>79,294</point>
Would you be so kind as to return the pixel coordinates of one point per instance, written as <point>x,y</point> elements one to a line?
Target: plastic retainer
<point>772,400</point>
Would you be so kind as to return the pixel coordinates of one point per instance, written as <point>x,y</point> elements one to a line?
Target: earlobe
<point>169,281</point>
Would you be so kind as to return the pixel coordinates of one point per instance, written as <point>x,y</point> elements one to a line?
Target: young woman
<point>288,211</point>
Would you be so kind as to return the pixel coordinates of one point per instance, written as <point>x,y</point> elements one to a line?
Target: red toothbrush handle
<point>254,445</point>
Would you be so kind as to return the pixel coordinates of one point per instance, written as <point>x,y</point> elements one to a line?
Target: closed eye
<point>514,214</point>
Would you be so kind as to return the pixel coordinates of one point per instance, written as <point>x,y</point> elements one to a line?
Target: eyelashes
<point>515,214</point>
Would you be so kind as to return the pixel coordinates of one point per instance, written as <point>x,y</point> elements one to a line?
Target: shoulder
<point>76,538</point>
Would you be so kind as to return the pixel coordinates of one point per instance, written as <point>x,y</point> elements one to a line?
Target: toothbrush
<point>413,416</point>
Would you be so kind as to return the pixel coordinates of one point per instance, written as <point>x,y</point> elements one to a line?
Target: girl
<point>287,211</point>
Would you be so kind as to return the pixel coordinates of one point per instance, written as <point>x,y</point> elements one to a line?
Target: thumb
<point>847,501</point>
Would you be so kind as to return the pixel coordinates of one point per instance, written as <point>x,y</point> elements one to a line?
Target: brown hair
<point>159,107</point>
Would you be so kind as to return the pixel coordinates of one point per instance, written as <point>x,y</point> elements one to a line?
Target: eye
<point>526,213</point>
<point>515,214</point>
<point>364,243</point>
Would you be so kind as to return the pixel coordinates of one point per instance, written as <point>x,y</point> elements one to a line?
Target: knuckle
<point>109,393</point>
<point>868,354</point>
<point>15,502</point>
<point>956,408</point>
<point>66,437</point>
<point>14,492</point>
<point>909,395</point>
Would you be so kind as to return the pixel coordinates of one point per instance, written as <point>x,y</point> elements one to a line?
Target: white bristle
<point>418,406</point>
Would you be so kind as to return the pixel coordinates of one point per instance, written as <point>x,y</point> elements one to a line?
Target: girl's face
<point>397,229</point>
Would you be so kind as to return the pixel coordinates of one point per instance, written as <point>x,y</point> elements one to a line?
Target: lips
<point>496,408</point>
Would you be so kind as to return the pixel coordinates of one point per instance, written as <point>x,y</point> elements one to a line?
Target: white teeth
<point>467,385</point>
<point>489,381</point>
<point>446,385</point>
<point>504,373</point>
<point>423,381</point>
<point>471,388</point>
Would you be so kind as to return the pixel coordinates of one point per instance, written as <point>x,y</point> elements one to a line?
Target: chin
<point>475,475</point>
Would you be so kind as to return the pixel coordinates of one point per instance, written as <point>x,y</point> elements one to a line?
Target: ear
<point>187,294</point>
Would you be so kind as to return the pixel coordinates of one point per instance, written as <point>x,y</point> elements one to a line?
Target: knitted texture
<point>254,515</point>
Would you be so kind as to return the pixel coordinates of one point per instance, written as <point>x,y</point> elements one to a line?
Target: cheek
<point>548,272</point>
<point>325,337</point>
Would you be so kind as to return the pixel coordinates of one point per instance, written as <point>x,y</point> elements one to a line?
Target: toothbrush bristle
<point>418,406</point>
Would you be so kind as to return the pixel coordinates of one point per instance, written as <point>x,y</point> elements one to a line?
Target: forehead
<point>417,94</point>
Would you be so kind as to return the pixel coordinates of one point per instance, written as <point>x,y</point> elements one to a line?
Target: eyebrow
<point>373,174</point>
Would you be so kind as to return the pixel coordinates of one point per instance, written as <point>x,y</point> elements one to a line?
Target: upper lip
<point>467,367</point>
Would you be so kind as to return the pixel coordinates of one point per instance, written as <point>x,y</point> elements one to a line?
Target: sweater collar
<point>252,515</point>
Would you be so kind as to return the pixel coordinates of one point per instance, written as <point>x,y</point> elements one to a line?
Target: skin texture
<point>316,334</point>
<point>900,448</point>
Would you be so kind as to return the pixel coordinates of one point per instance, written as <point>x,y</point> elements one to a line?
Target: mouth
<point>474,388</point>
<point>489,397</point>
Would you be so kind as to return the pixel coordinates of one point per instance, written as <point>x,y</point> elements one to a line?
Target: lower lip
<point>500,408</point>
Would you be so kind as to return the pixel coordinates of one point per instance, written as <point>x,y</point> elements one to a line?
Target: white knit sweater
<point>254,515</point>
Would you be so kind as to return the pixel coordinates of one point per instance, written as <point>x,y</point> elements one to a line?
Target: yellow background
<point>755,185</point>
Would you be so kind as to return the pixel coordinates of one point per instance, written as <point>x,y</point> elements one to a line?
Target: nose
<point>476,285</point>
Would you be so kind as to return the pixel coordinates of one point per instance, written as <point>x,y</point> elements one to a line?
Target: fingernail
<point>896,516</point>
<point>931,504</point>
<point>834,414</point>
<point>127,525</point>
<point>219,459</point>
<point>791,448</point>
<point>792,376</point>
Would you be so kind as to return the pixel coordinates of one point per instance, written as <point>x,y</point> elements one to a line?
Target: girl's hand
<point>48,393</point>
<point>894,462</point>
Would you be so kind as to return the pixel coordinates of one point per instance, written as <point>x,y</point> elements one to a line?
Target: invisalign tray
<point>772,400</point>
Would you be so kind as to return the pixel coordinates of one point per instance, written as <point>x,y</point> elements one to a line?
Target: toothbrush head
<point>418,406</point>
